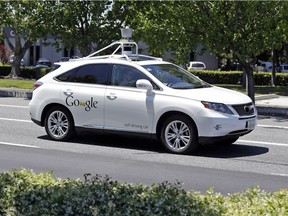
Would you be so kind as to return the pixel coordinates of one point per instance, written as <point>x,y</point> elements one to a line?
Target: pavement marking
<point>273,126</point>
<point>14,106</point>
<point>19,145</point>
<point>19,120</point>
<point>279,174</point>
<point>263,143</point>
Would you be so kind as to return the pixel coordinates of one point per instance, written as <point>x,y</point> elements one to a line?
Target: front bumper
<point>219,125</point>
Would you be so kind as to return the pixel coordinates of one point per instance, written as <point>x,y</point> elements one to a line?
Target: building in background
<point>40,49</point>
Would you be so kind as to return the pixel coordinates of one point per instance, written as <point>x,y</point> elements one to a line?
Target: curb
<point>268,110</point>
<point>13,92</point>
<point>272,111</point>
<point>265,97</point>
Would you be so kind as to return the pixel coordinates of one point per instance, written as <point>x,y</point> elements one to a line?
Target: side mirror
<point>145,84</point>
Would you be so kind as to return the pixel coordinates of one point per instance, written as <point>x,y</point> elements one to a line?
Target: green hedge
<point>213,77</point>
<point>236,77</point>
<point>22,192</point>
<point>5,70</point>
<point>26,72</point>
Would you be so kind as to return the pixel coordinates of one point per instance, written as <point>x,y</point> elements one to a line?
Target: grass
<point>259,90</point>
<point>15,83</point>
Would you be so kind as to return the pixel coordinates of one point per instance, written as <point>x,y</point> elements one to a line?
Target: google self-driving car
<point>160,100</point>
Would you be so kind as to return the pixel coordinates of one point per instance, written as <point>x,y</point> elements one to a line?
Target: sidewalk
<point>271,105</point>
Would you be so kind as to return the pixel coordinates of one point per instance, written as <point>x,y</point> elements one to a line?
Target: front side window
<point>123,75</point>
<point>91,73</point>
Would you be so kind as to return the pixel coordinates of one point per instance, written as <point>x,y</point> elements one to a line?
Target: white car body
<point>196,65</point>
<point>213,113</point>
<point>283,68</point>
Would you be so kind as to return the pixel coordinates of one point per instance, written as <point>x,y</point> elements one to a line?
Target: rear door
<point>83,94</point>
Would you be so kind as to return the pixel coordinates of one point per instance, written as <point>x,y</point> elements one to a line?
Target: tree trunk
<point>250,84</point>
<point>273,75</point>
<point>15,70</point>
<point>248,70</point>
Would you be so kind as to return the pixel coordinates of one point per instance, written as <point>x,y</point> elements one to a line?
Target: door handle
<point>68,92</point>
<point>112,96</point>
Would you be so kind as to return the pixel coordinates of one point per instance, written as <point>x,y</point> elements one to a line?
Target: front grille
<point>244,109</point>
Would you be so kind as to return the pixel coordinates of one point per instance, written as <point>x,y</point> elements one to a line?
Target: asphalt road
<point>260,158</point>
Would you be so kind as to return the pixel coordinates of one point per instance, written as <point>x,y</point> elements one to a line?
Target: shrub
<point>219,77</point>
<point>22,192</point>
<point>26,72</point>
<point>5,70</point>
<point>236,77</point>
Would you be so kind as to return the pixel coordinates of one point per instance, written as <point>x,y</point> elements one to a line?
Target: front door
<point>126,107</point>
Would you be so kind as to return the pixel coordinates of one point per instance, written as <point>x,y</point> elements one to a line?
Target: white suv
<point>142,95</point>
<point>195,65</point>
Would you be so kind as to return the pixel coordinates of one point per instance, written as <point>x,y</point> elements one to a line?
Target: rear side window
<point>91,73</point>
<point>197,65</point>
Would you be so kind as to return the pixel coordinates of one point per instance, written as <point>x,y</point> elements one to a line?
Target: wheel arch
<point>164,116</point>
<point>48,107</point>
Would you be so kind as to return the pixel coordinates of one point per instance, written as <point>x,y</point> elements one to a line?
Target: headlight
<point>219,107</point>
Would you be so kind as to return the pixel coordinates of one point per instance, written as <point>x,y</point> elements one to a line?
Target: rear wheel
<point>59,123</point>
<point>179,135</point>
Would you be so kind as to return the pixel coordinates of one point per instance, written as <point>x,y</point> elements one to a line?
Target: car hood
<point>214,94</point>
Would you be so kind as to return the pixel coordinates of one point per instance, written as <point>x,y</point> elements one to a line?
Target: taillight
<point>37,84</point>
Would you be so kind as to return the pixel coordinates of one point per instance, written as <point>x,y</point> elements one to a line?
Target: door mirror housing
<point>145,84</point>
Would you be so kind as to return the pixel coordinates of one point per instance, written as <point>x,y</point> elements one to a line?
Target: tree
<point>30,20</point>
<point>87,24</point>
<point>235,30</point>
<point>241,30</point>
<point>164,26</point>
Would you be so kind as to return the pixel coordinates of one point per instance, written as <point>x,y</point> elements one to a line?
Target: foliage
<point>23,192</point>
<point>236,30</point>
<point>86,24</point>
<point>26,193</point>
<point>236,77</point>
<point>26,72</point>
<point>30,20</point>
<point>4,55</point>
<point>5,70</point>
<point>219,77</point>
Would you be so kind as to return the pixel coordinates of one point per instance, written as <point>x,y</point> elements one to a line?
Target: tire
<point>59,124</point>
<point>179,135</point>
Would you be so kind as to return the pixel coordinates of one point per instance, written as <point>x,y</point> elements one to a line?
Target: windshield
<point>175,77</point>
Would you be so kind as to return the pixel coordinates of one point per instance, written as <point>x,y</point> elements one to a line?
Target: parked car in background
<point>196,65</point>
<point>43,62</point>
<point>264,66</point>
<point>64,59</point>
<point>283,68</point>
<point>12,59</point>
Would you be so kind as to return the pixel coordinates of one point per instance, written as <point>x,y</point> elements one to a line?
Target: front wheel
<point>59,123</point>
<point>179,135</point>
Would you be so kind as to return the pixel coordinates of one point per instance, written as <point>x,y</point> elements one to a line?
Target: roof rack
<point>124,50</point>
